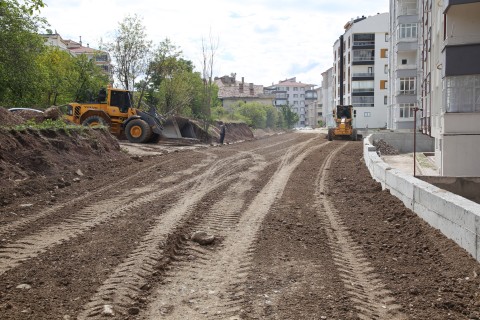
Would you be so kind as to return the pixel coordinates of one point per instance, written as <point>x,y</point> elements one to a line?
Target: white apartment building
<point>327,97</point>
<point>450,83</point>
<point>360,70</point>
<point>102,58</point>
<point>404,62</point>
<point>292,93</point>
<point>314,107</point>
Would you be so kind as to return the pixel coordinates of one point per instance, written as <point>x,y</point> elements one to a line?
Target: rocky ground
<point>290,226</point>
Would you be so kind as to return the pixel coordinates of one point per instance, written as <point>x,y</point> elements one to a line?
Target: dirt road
<point>300,231</point>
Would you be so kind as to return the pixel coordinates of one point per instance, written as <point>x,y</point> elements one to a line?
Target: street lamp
<point>415,139</point>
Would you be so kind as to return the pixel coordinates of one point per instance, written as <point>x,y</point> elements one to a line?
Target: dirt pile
<point>8,118</point>
<point>384,148</point>
<point>35,161</point>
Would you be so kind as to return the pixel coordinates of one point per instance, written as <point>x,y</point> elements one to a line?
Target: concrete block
<point>426,214</point>
<point>464,238</point>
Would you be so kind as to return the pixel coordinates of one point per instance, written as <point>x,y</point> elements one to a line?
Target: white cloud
<point>262,40</point>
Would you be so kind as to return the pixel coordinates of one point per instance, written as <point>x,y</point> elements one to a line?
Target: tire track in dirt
<point>14,253</point>
<point>16,225</point>
<point>367,291</point>
<point>118,292</point>
<point>216,277</point>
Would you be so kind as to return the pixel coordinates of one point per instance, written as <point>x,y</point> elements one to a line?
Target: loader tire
<point>330,135</point>
<point>94,121</point>
<point>138,131</point>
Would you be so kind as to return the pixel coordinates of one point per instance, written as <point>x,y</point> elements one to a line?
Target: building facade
<point>404,64</point>
<point>292,93</point>
<point>327,97</point>
<point>231,91</point>
<point>313,108</point>
<point>102,58</point>
<point>450,88</point>
<point>360,70</point>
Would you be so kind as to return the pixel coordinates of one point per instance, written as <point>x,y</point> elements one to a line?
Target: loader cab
<point>121,99</point>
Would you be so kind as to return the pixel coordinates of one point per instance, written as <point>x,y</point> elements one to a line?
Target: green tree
<point>253,113</point>
<point>86,79</point>
<point>130,49</point>
<point>57,67</point>
<point>272,117</point>
<point>290,117</point>
<point>20,80</point>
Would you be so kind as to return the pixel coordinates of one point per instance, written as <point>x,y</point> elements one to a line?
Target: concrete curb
<point>456,217</point>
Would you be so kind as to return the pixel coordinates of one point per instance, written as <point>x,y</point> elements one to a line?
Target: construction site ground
<point>289,226</point>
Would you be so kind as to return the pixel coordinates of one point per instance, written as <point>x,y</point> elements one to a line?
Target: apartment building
<point>327,97</point>
<point>450,83</point>
<point>404,64</point>
<point>314,107</point>
<point>360,69</point>
<point>292,93</point>
<point>102,58</point>
<point>231,91</point>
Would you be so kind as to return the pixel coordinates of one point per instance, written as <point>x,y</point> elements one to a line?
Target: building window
<point>407,85</point>
<point>385,100</point>
<point>295,88</point>
<point>407,30</point>
<point>363,86</point>
<point>407,110</point>
<point>366,101</point>
<point>385,69</point>
<point>367,114</point>
<point>295,102</point>
<point>364,55</point>
<point>302,89</point>
<point>386,37</point>
<point>462,94</point>
<point>383,84</point>
<point>363,39</point>
<point>302,96</point>
<point>295,95</point>
<point>404,61</point>
<point>383,53</point>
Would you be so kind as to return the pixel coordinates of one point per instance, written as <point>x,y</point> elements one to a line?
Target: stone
<point>202,238</point>
<point>108,311</point>
<point>24,286</point>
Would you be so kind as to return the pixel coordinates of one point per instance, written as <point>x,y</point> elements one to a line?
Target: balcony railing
<point>363,75</point>
<point>363,104</point>
<point>407,10</point>
<point>357,59</point>
<point>363,43</point>
<point>362,90</point>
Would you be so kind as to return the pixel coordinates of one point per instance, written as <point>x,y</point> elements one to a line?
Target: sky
<point>264,41</point>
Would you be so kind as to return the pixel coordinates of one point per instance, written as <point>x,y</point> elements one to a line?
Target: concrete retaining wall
<point>403,141</point>
<point>466,187</point>
<point>456,217</point>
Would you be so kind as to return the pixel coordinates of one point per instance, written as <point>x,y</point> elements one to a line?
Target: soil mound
<point>384,148</point>
<point>34,161</point>
<point>8,118</point>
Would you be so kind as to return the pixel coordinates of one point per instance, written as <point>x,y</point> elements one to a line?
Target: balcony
<point>362,91</point>
<point>310,94</point>
<point>362,76</point>
<point>461,60</point>
<point>407,8</point>
<point>448,3</point>
<point>363,60</point>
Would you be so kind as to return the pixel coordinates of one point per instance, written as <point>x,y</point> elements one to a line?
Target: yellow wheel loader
<point>343,129</point>
<point>113,108</point>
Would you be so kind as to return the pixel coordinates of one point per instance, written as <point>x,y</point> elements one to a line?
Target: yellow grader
<point>343,129</point>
